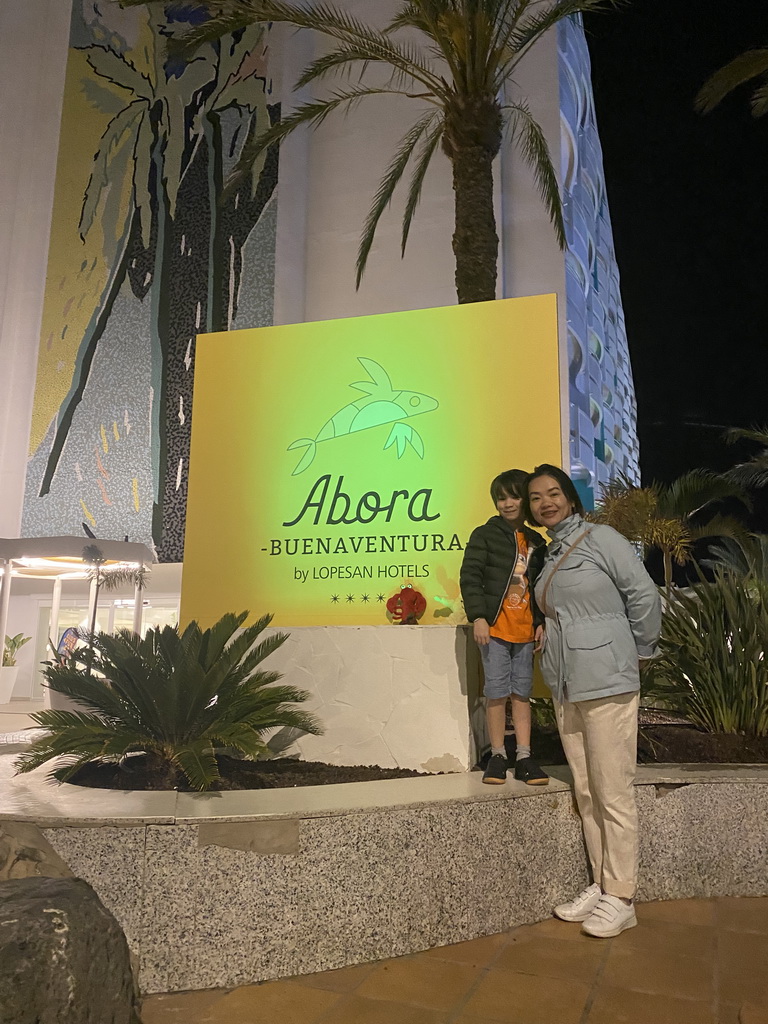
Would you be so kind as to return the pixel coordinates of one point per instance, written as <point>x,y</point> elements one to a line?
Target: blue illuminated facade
<point>603,412</point>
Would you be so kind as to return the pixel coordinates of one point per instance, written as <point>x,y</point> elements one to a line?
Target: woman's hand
<point>539,637</point>
<point>482,632</point>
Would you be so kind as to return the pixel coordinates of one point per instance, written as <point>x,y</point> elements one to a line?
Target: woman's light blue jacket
<point>603,613</point>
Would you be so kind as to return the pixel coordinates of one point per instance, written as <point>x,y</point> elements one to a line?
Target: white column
<point>53,621</point>
<point>34,38</point>
<point>92,599</point>
<point>138,608</point>
<point>111,617</point>
<point>5,602</point>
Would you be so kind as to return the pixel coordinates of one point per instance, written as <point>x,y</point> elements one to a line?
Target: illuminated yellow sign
<point>334,462</point>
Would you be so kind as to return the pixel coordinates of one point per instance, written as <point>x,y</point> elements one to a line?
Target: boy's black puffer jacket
<point>489,559</point>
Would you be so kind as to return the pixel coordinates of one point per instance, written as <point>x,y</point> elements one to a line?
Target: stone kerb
<point>232,888</point>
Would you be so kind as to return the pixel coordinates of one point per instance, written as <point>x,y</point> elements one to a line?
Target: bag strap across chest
<point>542,600</point>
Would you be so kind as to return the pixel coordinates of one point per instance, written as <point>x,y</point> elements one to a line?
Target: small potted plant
<point>13,645</point>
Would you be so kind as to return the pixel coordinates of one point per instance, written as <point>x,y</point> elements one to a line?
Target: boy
<point>501,563</point>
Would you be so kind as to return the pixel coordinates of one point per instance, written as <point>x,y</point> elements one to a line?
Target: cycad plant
<point>712,666</point>
<point>664,516</point>
<point>176,696</point>
<point>457,60</point>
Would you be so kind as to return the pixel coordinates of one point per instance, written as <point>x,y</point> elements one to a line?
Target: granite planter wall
<point>232,888</point>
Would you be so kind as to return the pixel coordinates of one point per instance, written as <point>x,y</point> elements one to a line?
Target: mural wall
<point>148,248</point>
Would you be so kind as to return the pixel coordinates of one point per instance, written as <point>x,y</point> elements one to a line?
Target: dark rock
<point>63,956</point>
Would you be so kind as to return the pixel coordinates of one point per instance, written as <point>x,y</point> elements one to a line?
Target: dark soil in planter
<point>667,743</point>
<point>684,744</point>
<point>281,773</point>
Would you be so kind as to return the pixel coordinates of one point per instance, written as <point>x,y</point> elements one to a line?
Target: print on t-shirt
<point>515,620</point>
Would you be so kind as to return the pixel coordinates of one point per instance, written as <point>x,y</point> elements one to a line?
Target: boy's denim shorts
<point>508,668</point>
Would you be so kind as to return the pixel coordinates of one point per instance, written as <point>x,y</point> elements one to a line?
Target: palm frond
<point>736,72</point>
<point>386,189</point>
<point>535,150</point>
<point>524,29</point>
<point>311,114</point>
<point>750,475</point>
<point>756,433</point>
<point>197,761</point>
<point>720,526</point>
<point>342,26</point>
<point>429,147</point>
<point>759,101</point>
<point>692,491</point>
<point>746,557</point>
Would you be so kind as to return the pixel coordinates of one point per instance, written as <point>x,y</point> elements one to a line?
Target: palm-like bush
<point>713,667</point>
<point>176,696</point>
<point>664,516</point>
<point>457,59</point>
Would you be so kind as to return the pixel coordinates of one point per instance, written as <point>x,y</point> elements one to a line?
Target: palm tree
<point>108,578</point>
<point>742,69</point>
<point>457,60</point>
<point>176,696</point>
<point>664,516</point>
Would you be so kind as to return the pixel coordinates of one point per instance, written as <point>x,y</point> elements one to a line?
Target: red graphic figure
<point>406,606</point>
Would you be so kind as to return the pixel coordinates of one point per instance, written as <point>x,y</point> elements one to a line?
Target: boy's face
<point>509,508</point>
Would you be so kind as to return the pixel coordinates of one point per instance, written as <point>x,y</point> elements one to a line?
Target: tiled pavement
<point>687,962</point>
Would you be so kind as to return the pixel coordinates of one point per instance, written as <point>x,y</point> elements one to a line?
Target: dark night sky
<point>689,203</point>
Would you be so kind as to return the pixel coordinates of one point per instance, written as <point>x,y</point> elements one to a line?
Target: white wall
<point>33,52</point>
<point>532,261</point>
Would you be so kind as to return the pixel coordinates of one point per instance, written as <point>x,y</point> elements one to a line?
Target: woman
<point>603,615</point>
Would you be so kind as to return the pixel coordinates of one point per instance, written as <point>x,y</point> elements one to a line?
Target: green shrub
<point>713,666</point>
<point>177,696</point>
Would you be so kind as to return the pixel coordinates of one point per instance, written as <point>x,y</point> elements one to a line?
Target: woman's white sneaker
<point>610,917</point>
<point>581,906</point>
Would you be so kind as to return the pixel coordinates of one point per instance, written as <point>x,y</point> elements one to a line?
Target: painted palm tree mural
<point>147,251</point>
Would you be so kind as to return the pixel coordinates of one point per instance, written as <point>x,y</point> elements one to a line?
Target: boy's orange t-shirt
<point>515,620</point>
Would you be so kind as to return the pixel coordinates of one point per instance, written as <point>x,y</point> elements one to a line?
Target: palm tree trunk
<point>475,241</point>
<point>183,313</point>
<point>473,131</point>
<point>667,570</point>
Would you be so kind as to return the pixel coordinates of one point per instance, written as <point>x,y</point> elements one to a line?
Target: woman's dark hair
<point>566,486</point>
<point>513,482</point>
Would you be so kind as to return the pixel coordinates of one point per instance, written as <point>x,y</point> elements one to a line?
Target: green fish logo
<point>382,405</point>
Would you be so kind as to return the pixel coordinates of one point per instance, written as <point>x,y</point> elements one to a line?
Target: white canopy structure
<point>65,558</point>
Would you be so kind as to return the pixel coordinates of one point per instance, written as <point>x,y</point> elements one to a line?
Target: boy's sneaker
<point>496,772</point>
<point>581,906</point>
<point>610,917</point>
<point>527,771</point>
